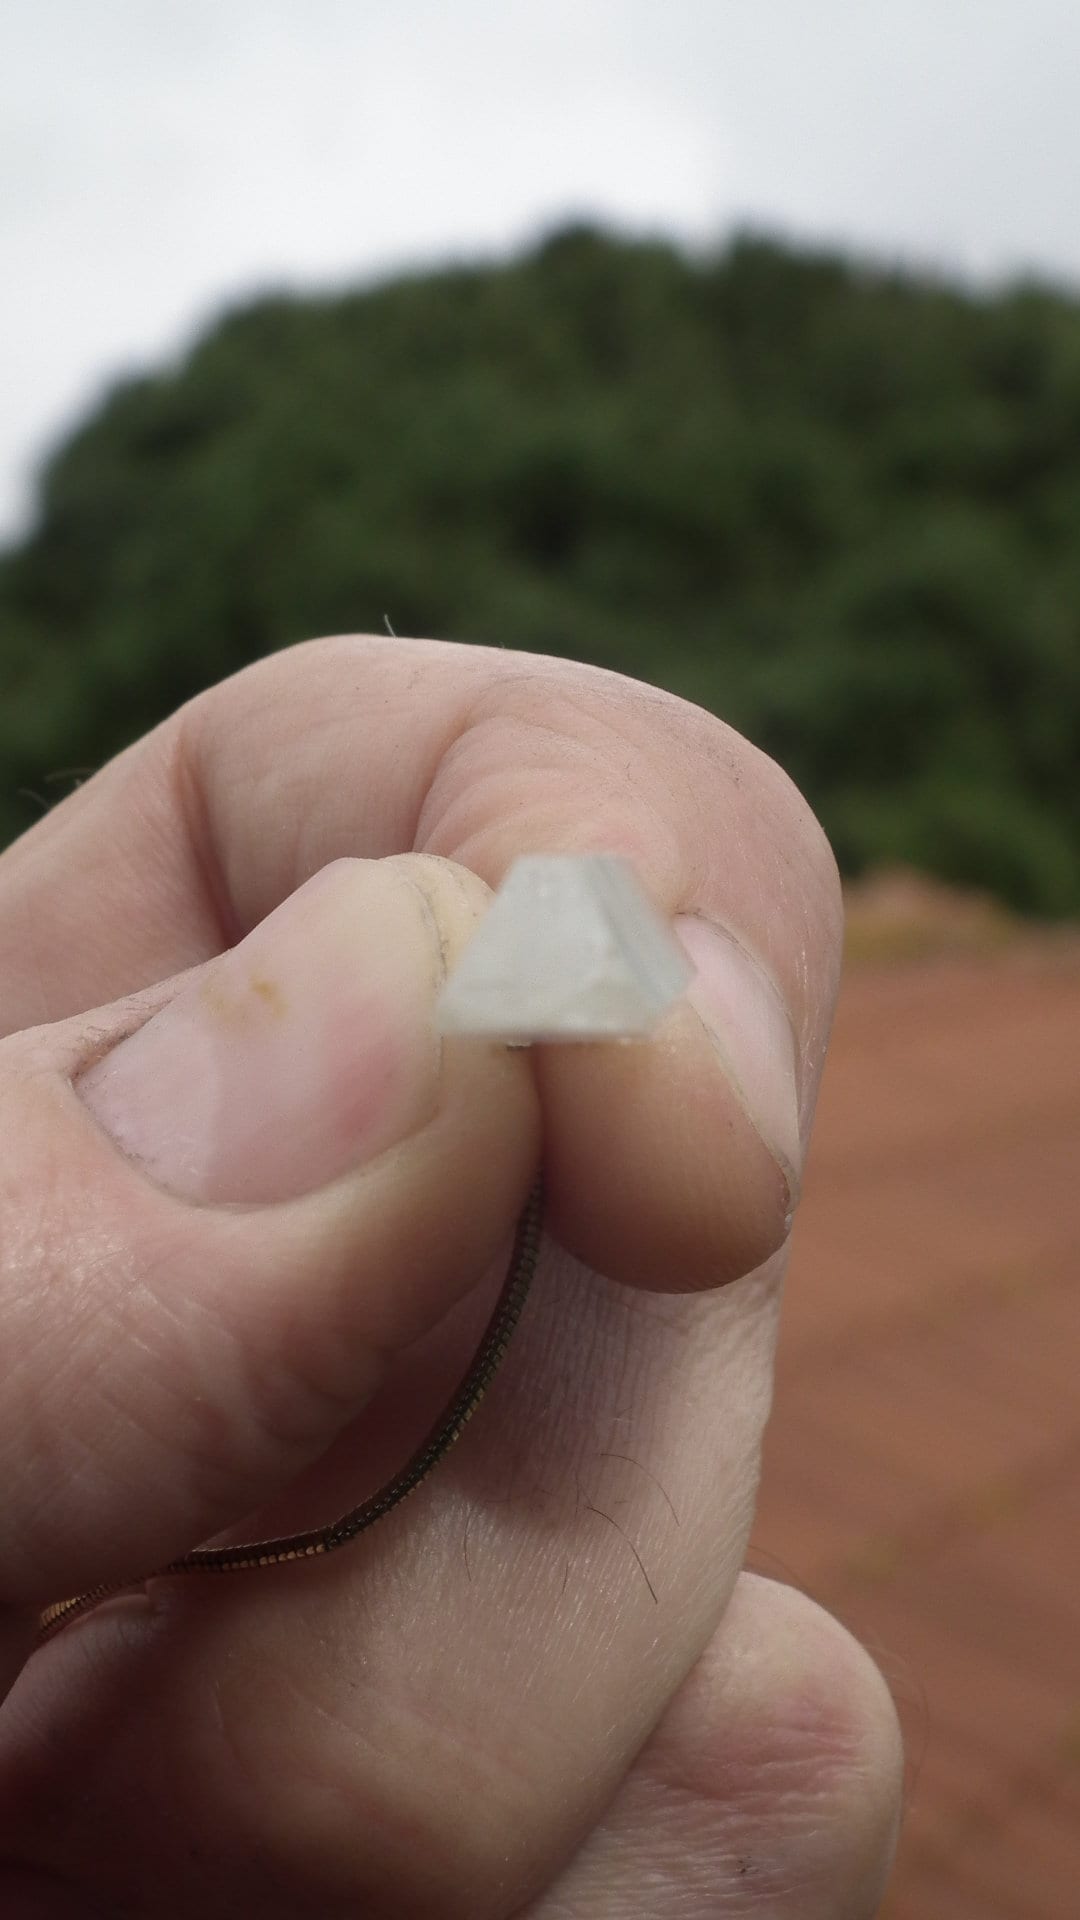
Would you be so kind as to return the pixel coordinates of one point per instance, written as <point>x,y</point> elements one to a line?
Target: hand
<point>243,1217</point>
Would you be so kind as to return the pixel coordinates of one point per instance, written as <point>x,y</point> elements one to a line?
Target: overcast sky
<point>160,158</point>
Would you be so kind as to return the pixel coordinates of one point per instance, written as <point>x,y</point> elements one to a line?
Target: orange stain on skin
<point>270,994</point>
<point>233,1009</point>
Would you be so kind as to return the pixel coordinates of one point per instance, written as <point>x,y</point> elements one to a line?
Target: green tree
<point>838,505</point>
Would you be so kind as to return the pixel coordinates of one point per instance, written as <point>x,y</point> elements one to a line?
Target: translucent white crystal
<point>571,948</point>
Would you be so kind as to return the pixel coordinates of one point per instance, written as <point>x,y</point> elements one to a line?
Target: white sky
<point>161,158</point>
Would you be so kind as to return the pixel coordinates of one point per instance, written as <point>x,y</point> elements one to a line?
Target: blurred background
<point>736,347</point>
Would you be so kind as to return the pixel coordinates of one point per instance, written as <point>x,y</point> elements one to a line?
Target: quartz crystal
<point>571,948</point>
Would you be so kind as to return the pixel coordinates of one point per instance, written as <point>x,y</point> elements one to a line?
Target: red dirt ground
<point>922,1469</point>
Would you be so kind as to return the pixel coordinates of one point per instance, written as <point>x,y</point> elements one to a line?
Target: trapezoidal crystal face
<point>571,948</point>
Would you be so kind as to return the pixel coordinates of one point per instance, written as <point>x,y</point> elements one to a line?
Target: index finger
<point>370,747</point>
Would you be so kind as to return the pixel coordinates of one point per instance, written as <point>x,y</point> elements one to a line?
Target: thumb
<point>223,1203</point>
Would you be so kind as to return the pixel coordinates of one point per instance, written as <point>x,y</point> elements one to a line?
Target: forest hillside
<point>837,505</point>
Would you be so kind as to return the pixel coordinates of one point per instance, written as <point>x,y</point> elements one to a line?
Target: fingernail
<point>306,1050</point>
<point>751,1030</point>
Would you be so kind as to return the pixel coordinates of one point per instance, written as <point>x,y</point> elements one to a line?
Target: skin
<point>543,1687</point>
